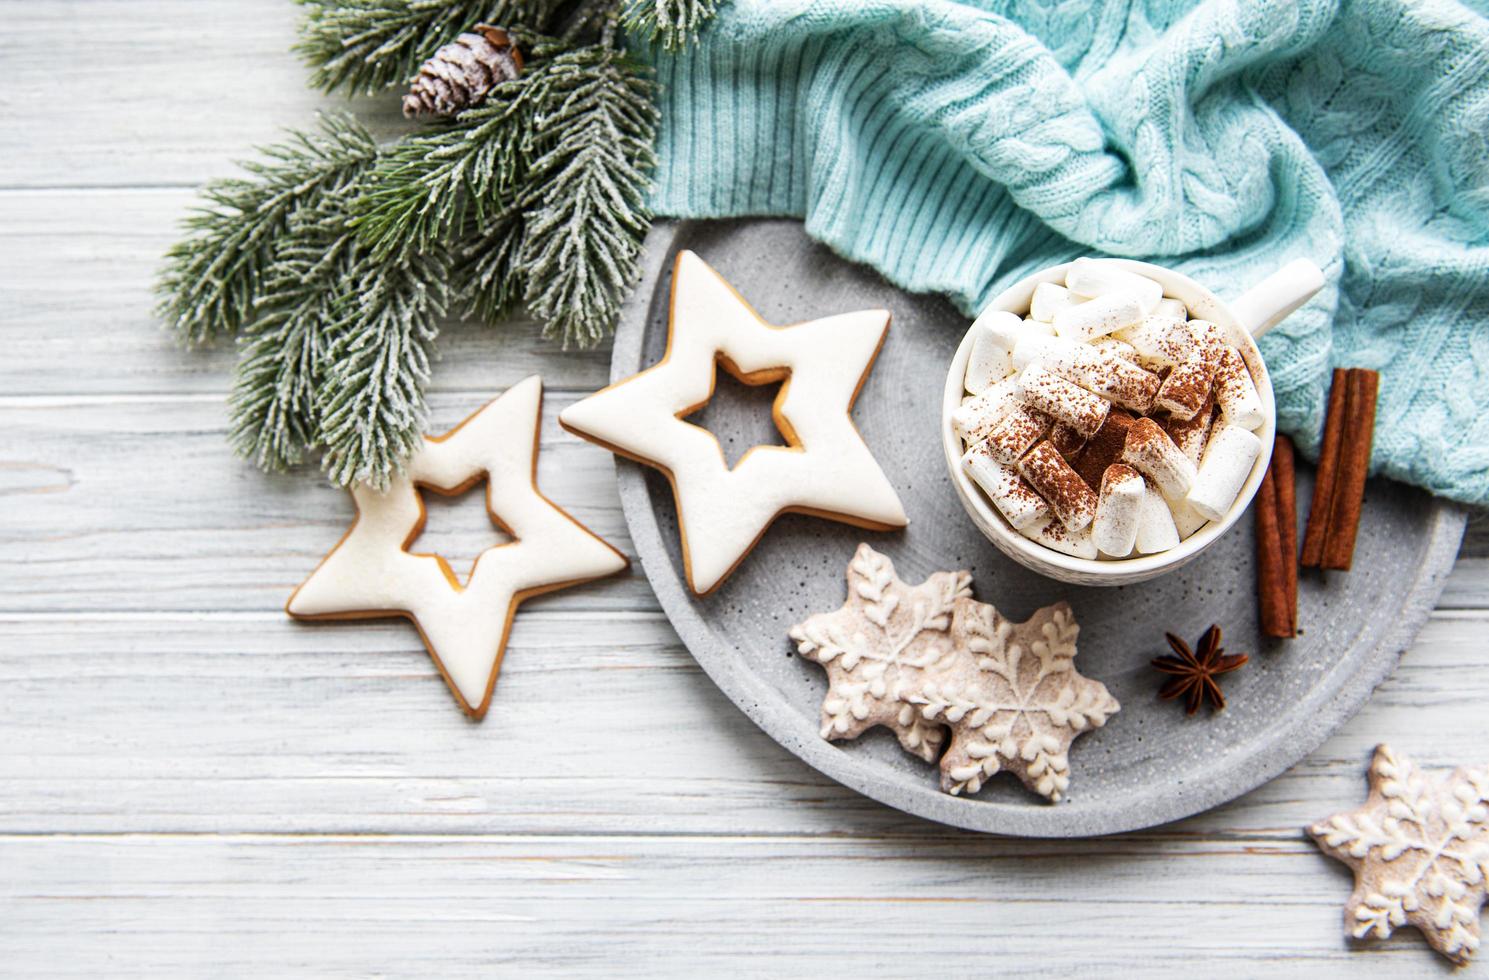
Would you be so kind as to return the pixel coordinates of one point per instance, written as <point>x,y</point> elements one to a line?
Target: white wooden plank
<point>76,276</point>
<point>186,87</point>
<point>688,906</point>
<point>1468,586</point>
<point>601,723</point>
<point>138,504</point>
<point>131,504</point>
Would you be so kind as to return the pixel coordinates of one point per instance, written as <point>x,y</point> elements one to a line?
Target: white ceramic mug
<point>1262,307</point>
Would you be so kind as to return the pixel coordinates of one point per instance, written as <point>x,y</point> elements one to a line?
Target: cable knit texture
<point>957,146</point>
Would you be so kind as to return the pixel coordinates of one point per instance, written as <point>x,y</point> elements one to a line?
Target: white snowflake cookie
<point>924,659</point>
<point>1419,848</point>
<point>825,470</point>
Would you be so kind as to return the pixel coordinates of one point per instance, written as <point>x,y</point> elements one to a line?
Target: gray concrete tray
<point>1151,764</point>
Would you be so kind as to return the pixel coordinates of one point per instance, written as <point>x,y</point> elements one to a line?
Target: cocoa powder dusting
<point>1105,447</point>
<point>1067,441</point>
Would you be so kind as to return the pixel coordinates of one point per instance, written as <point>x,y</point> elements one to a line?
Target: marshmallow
<point>1111,345</point>
<point>1100,372</point>
<point>1159,340</point>
<point>1057,537</point>
<point>1156,530</point>
<point>1098,277</point>
<point>1119,511</point>
<point>1235,392</point>
<point>975,418</point>
<point>1008,491</point>
<point>1049,297</point>
<point>1015,433</point>
<point>991,359</point>
<point>1207,334</point>
<point>1039,326</point>
<point>1173,309</point>
<point>1063,401</point>
<point>1097,317</point>
<point>1187,520</point>
<point>1187,387</point>
<point>1190,435</point>
<point>1152,453</point>
<point>1062,487</point>
<point>1227,463</point>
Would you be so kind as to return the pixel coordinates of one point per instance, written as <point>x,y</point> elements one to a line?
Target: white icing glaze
<point>828,470</point>
<point>370,573</point>
<point>1418,846</point>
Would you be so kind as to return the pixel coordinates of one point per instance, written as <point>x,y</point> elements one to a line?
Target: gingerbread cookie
<point>1419,848</point>
<point>921,659</point>
<point>825,469</point>
<point>370,573</point>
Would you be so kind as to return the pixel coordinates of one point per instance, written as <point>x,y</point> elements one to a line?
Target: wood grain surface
<point>192,785</point>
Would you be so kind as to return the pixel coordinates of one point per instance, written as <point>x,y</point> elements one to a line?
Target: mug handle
<point>1270,301</point>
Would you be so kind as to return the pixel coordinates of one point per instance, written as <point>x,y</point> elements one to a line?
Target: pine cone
<point>461,73</point>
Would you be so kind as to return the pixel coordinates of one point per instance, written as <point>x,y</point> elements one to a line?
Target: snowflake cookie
<point>825,469</point>
<point>922,659</point>
<point>371,573</point>
<point>1420,852</point>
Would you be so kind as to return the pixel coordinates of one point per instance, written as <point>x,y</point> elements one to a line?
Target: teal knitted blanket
<point>957,146</point>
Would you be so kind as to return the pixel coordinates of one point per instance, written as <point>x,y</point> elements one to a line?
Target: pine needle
<point>273,408</point>
<point>491,282</point>
<point>426,186</point>
<point>585,204</point>
<point>673,23</point>
<point>208,286</point>
<point>371,400</point>
<point>365,46</point>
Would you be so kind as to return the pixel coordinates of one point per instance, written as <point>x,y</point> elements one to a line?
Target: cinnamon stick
<point>1271,580</point>
<point>1328,465</point>
<point>1354,465</point>
<point>1284,465</point>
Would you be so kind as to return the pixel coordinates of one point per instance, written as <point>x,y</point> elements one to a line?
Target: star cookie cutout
<point>371,573</point>
<point>1419,848</point>
<point>924,659</point>
<point>825,469</point>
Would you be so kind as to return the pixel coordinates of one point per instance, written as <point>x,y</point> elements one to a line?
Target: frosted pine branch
<point>673,23</point>
<point>364,46</point>
<point>490,282</point>
<point>273,406</point>
<point>585,206</point>
<point>209,284</point>
<point>427,186</point>
<point>371,399</point>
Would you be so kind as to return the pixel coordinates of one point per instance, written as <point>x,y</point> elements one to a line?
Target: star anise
<point>1194,676</point>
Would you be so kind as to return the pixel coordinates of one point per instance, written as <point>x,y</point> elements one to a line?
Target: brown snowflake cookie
<point>922,659</point>
<point>1419,848</point>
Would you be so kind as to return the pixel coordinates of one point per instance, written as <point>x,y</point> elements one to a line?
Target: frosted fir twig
<point>672,23</point>
<point>585,204</point>
<point>371,399</point>
<point>209,284</point>
<point>365,46</point>
<point>274,415</point>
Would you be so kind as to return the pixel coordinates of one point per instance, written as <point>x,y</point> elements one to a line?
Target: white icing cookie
<point>370,573</point>
<point>1419,848</point>
<point>825,469</point>
<point>928,660</point>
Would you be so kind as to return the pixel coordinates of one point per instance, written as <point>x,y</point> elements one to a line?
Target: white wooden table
<point>191,784</point>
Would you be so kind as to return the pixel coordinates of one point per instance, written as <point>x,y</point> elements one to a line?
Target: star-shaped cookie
<point>370,573</point>
<point>825,469</point>
<point>1419,848</point>
<point>921,659</point>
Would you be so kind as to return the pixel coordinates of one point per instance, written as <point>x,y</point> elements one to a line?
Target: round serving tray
<point>1151,764</point>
